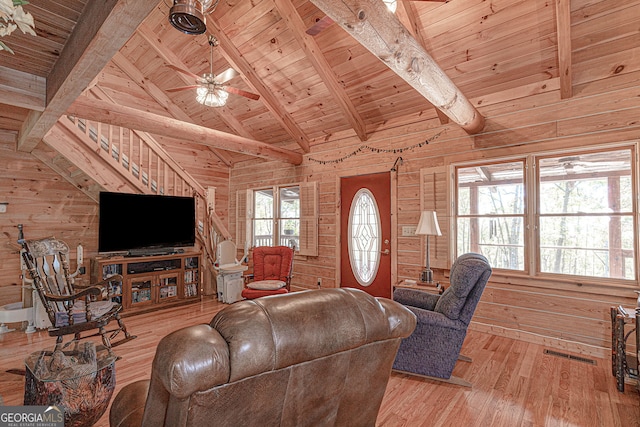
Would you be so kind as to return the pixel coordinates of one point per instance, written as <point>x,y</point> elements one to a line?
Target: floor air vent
<point>570,357</point>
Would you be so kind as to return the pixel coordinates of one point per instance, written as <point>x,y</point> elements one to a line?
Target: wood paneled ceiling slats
<point>240,64</point>
<point>338,46</point>
<point>530,53</point>
<point>309,92</point>
<point>608,47</point>
<point>584,10</point>
<point>485,21</point>
<point>194,53</point>
<point>491,50</point>
<point>435,15</point>
<point>322,68</point>
<point>474,91</point>
<point>276,58</point>
<point>379,110</point>
<point>268,32</point>
<point>611,65</point>
<point>603,28</point>
<point>608,36</point>
<point>35,68</point>
<point>496,39</point>
<point>244,28</point>
<point>28,58</point>
<point>468,75</point>
<point>241,11</point>
<point>55,15</point>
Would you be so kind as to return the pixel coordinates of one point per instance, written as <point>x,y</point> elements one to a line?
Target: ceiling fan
<point>210,88</point>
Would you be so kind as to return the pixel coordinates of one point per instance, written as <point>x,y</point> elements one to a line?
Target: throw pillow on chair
<point>267,285</point>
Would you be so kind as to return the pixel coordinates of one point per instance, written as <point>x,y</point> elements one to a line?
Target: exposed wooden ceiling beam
<point>20,89</point>
<point>408,15</point>
<point>290,15</point>
<point>102,29</point>
<point>158,45</point>
<point>105,112</point>
<point>378,30</point>
<point>160,97</point>
<point>237,61</point>
<point>563,28</point>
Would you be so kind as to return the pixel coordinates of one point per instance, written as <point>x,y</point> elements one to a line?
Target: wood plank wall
<point>528,120</point>
<point>47,205</point>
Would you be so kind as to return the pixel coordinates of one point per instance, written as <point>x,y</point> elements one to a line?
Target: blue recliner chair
<point>433,348</point>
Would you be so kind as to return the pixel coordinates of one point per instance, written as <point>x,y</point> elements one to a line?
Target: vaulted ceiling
<point>311,88</point>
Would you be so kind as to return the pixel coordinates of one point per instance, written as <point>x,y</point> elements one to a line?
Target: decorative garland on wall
<point>376,150</point>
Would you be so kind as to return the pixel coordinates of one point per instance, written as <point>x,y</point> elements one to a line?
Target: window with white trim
<point>570,214</point>
<point>277,216</point>
<point>284,215</point>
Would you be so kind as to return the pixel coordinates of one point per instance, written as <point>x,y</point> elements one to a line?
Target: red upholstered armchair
<point>272,270</point>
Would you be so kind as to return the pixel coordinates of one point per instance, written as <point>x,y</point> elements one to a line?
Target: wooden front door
<point>365,233</point>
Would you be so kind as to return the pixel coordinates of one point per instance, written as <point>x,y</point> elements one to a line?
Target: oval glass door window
<point>364,237</point>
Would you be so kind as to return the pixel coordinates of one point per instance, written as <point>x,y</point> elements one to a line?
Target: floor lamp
<point>428,226</point>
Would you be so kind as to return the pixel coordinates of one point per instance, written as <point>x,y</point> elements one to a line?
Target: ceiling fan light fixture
<point>392,5</point>
<point>188,16</point>
<point>211,96</point>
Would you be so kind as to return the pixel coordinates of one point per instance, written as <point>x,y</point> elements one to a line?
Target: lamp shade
<point>428,224</point>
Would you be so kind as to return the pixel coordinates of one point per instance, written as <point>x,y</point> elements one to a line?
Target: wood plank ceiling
<point>311,88</point>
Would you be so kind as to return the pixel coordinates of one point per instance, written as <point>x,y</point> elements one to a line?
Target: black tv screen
<point>138,221</point>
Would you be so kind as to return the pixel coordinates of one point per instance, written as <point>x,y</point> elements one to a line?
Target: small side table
<point>623,364</point>
<point>79,381</point>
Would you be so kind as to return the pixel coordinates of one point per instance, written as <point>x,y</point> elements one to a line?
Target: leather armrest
<point>127,408</point>
<point>191,359</point>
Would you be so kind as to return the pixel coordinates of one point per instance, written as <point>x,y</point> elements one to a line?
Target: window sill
<point>612,287</point>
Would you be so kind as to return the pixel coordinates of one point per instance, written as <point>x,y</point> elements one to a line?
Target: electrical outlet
<point>408,230</point>
<point>3,207</point>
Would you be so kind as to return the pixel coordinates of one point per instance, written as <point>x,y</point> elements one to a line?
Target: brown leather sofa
<point>312,358</point>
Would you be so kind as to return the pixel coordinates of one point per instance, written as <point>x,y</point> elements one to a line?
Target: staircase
<point>97,157</point>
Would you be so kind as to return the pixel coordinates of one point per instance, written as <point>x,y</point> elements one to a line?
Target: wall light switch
<point>409,230</point>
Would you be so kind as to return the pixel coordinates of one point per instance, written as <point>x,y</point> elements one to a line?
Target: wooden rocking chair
<point>71,309</point>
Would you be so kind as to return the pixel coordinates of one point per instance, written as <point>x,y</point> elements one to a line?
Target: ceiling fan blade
<point>226,75</point>
<point>181,88</point>
<point>185,72</point>
<point>242,93</point>
<point>320,25</point>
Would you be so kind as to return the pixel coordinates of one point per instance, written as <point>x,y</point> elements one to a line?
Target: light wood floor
<point>514,382</point>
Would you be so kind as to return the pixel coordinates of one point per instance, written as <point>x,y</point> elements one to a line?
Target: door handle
<point>385,252</point>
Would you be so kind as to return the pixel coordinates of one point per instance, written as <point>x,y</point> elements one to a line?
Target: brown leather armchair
<point>312,358</point>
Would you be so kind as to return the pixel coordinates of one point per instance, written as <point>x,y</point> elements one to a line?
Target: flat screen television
<point>145,224</point>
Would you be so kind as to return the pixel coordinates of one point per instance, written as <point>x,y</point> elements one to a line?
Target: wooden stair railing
<point>143,162</point>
